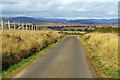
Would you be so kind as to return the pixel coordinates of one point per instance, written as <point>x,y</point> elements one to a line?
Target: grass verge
<point>20,44</point>
<point>99,59</point>
<point>14,69</point>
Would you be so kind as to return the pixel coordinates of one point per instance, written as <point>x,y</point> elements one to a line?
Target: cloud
<point>64,1</point>
<point>60,8</point>
<point>61,0</point>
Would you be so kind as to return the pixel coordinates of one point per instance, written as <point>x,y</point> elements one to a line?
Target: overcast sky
<point>69,9</point>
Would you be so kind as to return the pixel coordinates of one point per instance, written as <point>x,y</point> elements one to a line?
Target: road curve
<point>65,60</point>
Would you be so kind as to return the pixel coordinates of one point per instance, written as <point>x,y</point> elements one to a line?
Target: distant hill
<point>95,21</point>
<point>57,20</point>
<point>23,19</point>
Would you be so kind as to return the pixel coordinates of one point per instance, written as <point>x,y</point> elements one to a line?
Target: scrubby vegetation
<point>105,29</point>
<point>19,44</point>
<point>73,32</point>
<point>102,47</point>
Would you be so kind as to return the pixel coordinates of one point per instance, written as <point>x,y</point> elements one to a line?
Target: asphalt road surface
<point>65,60</point>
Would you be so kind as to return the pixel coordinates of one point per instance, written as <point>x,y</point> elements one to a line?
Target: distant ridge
<point>96,21</point>
<point>57,20</point>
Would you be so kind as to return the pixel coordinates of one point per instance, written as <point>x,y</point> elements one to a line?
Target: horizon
<point>59,18</point>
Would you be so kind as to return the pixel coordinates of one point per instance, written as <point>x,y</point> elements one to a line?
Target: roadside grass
<point>102,49</point>
<point>20,44</point>
<point>16,68</point>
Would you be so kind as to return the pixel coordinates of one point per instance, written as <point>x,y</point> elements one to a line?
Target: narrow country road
<point>65,60</point>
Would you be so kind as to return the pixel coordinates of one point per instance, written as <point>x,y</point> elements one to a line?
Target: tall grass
<point>19,44</point>
<point>105,53</point>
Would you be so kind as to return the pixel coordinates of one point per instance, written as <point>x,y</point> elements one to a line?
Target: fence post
<point>22,26</point>
<point>36,27</point>
<point>32,27</point>
<point>2,24</point>
<point>8,24</point>
<point>18,25</point>
<point>28,26</point>
<point>14,25</point>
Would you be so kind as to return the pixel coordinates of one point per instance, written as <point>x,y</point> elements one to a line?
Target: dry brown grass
<point>106,52</point>
<point>19,44</point>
